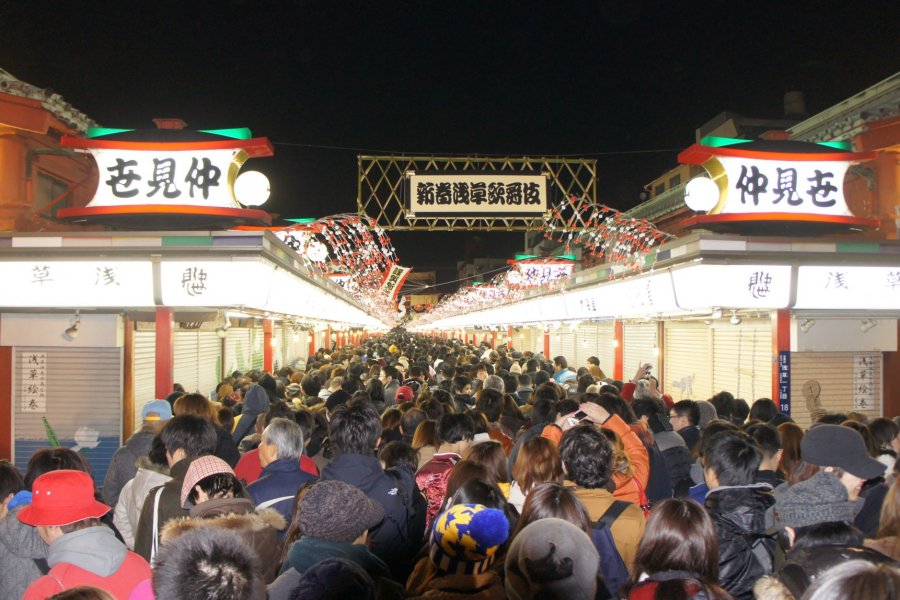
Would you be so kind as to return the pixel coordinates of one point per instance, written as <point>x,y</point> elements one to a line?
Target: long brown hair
<point>491,456</point>
<point>538,462</point>
<point>196,404</point>
<point>425,435</point>
<point>552,500</point>
<point>680,536</point>
<point>791,434</point>
<point>889,525</point>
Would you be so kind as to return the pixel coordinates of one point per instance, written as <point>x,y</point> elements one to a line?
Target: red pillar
<point>509,336</point>
<point>547,343</point>
<point>781,342</point>
<point>267,345</point>
<point>312,342</point>
<point>328,339</point>
<point>493,339</point>
<point>619,341</point>
<point>165,351</point>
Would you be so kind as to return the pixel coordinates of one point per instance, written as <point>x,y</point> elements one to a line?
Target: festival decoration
<point>604,232</point>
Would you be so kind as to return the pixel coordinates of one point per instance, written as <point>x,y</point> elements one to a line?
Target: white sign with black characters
<point>462,194</point>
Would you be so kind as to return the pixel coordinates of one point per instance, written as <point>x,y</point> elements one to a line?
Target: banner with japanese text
<point>477,194</point>
<point>394,280</point>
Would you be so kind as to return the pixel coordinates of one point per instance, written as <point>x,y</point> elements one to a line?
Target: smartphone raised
<point>577,418</point>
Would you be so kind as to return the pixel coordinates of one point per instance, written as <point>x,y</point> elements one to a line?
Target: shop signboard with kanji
<point>462,194</point>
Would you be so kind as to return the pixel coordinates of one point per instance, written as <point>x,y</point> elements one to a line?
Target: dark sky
<point>601,77</point>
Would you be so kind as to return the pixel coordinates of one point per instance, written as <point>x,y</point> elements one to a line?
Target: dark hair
<point>647,407</point>
<point>587,456</point>
<point>490,454</point>
<point>355,429</point>
<point>689,409</point>
<point>462,472</point>
<point>454,428</point>
<point>884,431</point>
<point>311,384</point>
<point>561,362</point>
<point>208,562</point>
<point>390,370</point>
<point>563,407</point>
<point>616,405</point>
<point>540,411</point>
<point>712,428</point>
<point>390,419</point>
<point>54,459</point>
<point>584,382</point>
<point>11,481</point>
<point>83,592</point>
<point>399,454</point>
<point>791,435</point>
<point>541,377</point>
<point>307,422</point>
<point>763,409</point>
<point>81,524</point>
<point>490,404</point>
<point>375,389</point>
<point>829,533</point>
<point>218,485</point>
<point>724,405</point>
<point>538,462</point>
<point>480,491</point>
<point>277,410</point>
<point>157,453</point>
<point>459,383</point>
<point>434,409</point>
<point>547,390</point>
<point>225,418</point>
<point>733,456</point>
<point>194,435</point>
<point>766,437</point>
<point>680,536</point>
<point>523,379</point>
<point>553,500</point>
<point>411,419</point>
<point>741,410</point>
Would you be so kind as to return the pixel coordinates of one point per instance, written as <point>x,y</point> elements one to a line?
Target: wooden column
<point>165,351</point>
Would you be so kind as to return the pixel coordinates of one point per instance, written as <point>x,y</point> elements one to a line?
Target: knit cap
<point>466,537</point>
<point>199,469</point>
<point>335,511</point>
<point>820,499</point>
<point>707,413</point>
<point>335,578</point>
<point>552,558</point>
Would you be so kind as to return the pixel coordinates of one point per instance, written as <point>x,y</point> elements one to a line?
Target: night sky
<point>625,81</point>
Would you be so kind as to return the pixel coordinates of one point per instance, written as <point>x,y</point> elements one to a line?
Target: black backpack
<point>612,567</point>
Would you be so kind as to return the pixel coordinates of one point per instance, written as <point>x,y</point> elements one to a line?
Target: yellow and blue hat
<point>466,537</point>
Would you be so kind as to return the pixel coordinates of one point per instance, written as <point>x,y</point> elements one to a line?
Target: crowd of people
<point>411,467</point>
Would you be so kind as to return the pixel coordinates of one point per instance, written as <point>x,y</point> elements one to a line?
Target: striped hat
<point>200,469</point>
<point>466,537</point>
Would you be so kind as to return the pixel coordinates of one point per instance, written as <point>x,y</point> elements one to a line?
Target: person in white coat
<point>152,471</point>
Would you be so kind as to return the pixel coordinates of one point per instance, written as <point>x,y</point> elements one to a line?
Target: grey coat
<point>20,545</point>
<point>122,467</point>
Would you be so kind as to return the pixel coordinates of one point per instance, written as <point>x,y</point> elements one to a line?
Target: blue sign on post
<point>784,382</point>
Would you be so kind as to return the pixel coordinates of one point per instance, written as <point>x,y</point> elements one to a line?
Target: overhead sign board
<point>848,287</point>
<point>462,194</point>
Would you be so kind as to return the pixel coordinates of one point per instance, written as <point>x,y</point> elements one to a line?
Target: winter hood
<point>95,549</point>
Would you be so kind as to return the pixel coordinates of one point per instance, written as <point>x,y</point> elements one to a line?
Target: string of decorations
<point>603,232</point>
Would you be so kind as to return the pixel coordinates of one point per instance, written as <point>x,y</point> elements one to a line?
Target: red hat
<point>404,392</point>
<point>62,497</point>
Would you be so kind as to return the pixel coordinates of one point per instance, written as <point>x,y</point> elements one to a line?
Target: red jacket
<point>249,468</point>
<point>431,479</point>
<point>65,576</point>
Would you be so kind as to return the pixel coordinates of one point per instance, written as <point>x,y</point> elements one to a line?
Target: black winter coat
<point>745,551</point>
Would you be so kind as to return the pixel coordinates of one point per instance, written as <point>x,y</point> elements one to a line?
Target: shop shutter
<point>585,344</point>
<point>639,342</point>
<point>277,349</point>
<point>688,364</point>
<point>742,359</point>
<point>567,346</point>
<point>256,348</point>
<point>835,374</point>
<point>83,402</point>
<point>144,383</point>
<point>209,362</point>
<point>237,350</point>
<point>604,350</point>
<point>186,353</point>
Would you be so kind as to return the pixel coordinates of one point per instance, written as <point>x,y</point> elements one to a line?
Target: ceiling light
<point>735,319</point>
<point>72,332</point>
<point>716,313</point>
<point>867,324</point>
<point>807,325</point>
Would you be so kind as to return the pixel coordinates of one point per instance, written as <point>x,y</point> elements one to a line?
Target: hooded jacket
<point>127,512</point>
<point>122,465</point>
<point>738,513</point>
<point>169,508</point>
<point>90,557</point>
<point>256,401</point>
<point>20,546</point>
<point>307,551</point>
<point>397,539</point>
<point>259,529</point>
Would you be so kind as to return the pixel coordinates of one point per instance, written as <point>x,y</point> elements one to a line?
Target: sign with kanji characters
<point>848,287</point>
<point>744,286</point>
<point>393,280</point>
<point>462,194</point>
<point>534,273</point>
<point>55,283</point>
<point>784,382</point>
<point>34,382</point>
<point>865,384</point>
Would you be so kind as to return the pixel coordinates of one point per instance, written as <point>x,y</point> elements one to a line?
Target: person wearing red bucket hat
<point>83,552</point>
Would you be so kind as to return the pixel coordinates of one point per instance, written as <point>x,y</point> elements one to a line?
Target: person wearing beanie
<point>464,541</point>
<point>270,385</point>
<point>334,518</point>
<point>707,413</point>
<point>552,558</point>
<point>123,465</point>
<point>215,498</point>
<point>815,519</point>
<point>83,552</point>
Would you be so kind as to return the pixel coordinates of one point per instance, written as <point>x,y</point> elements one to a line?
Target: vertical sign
<point>864,382</point>
<point>34,382</point>
<point>784,382</point>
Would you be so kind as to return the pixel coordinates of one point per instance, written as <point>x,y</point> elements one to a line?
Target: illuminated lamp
<point>251,188</point>
<point>807,325</point>
<point>716,313</point>
<point>701,194</point>
<point>735,319</point>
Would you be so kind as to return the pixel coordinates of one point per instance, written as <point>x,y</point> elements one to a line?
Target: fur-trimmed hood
<point>144,462</point>
<point>248,522</point>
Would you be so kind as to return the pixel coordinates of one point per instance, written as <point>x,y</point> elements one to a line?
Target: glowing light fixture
<point>251,188</point>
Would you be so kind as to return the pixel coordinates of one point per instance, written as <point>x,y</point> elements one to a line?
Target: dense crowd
<point>418,468</point>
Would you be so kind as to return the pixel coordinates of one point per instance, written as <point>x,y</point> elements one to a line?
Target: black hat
<point>839,446</point>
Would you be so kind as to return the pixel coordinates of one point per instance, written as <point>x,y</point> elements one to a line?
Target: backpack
<point>659,484</point>
<point>413,531</point>
<point>612,567</point>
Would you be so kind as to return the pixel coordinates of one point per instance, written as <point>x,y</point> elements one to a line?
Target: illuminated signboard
<point>755,181</point>
<point>55,283</point>
<point>534,273</point>
<point>732,286</point>
<point>838,286</point>
<point>476,194</point>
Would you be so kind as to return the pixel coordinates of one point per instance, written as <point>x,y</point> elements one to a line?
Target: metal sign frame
<point>381,187</point>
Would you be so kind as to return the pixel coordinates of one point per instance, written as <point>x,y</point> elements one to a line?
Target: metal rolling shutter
<point>605,351</point>
<point>639,342</point>
<point>186,352</point>
<point>256,348</point>
<point>688,364</point>
<point>83,392</point>
<point>585,344</point>
<point>277,349</point>
<point>144,383</point>
<point>237,350</point>
<point>834,372</point>
<point>209,362</point>
<point>742,359</point>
